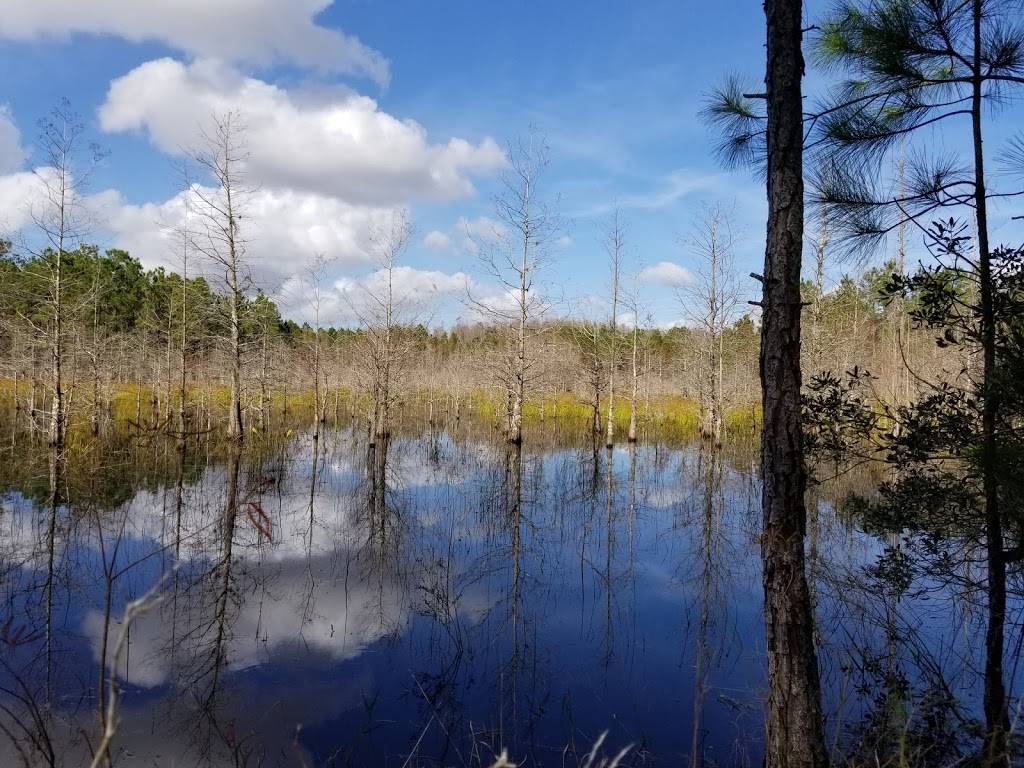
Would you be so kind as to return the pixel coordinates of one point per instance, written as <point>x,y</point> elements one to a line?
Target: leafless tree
<point>219,212</point>
<point>182,236</point>
<point>586,334</point>
<point>513,257</point>
<point>815,348</point>
<point>108,720</point>
<point>382,310</point>
<point>631,301</point>
<point>711,301</point>
<point>62,219</point>
<point>315,278</point>
<point>614,244</point>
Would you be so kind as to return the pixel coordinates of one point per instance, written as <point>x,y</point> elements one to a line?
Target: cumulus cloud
<point>17,191</point>
<point>348,299</point>
<point>409,284</point>
<point>12,154</point>
<point>285,233</point>
<point>482,227</point>
<point>24,199</point>
<point>332,143</point>
<point>666,273</point>
<point>437,240</point>
<point>256,31</point>
<point>284,230</point>
<point>476,233</point>
<point>489,305</point>
<point>415,290</point>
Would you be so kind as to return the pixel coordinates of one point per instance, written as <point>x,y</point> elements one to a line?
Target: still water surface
<point>430,603</point>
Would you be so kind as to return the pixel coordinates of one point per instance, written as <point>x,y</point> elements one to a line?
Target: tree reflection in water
<point>433,599</point>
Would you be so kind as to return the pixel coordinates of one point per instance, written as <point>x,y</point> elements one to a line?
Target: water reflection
<point>429,600</point>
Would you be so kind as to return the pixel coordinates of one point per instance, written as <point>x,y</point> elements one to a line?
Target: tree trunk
<point>57,359</point>
<point>515,426</point>
<point>632,399</point>
<point>997,719</point>
<point>235,429</point>
<point>264,399</point>
<point>613,330</point>
<point>794,731</point>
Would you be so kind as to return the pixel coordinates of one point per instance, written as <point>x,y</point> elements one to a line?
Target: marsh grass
<point>142,406</point>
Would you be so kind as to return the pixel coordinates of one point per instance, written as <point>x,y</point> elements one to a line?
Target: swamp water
<point>430,602</point>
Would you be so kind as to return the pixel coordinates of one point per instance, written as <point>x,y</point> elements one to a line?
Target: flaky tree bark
<point>794,732</point>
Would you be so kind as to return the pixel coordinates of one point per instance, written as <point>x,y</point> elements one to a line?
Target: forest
<point>150,341</point>
<point>330,519</point>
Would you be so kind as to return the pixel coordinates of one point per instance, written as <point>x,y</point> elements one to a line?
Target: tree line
<point>125,326</point>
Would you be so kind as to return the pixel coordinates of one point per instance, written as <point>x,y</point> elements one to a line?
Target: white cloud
<point>12,154</point>
<point>415,290</point>
<point>482,227</point>
<point>256,31</point>
<point>17,191</point>
<point>416,293</point>
<point>331,143</point>
<point>437,240</point>
<point>476,233</point>
<point>414,285</point>
<point>284,231</point>
<point>23,199</point>
<point>666,273</point>
<point>502,306</point>
<point>627,319</point>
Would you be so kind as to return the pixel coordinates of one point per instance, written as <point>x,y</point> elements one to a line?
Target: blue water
<point>613,594</point>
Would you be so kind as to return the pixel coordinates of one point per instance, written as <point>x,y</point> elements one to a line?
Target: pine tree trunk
<point>997,720</point>
<point>794,732</point>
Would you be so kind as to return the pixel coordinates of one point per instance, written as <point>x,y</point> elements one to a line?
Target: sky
<point>356,108</point>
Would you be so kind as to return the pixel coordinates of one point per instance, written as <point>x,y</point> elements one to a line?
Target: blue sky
<point>615,86</point>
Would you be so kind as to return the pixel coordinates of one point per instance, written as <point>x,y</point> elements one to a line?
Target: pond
<point>434,601</point>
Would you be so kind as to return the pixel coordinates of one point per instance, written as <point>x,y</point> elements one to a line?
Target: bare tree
<point>711,301</point>
<point>631,301</point>
<point>182,237</point>
<point>518,250</point>
<point>315,278</point>
<point>382,310</point>
<point>135,610</point>
<point>615,244</point>
<point>63,220</point>
<point>815,348</point>
<point>586,333</point>
<point>219,212</point>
